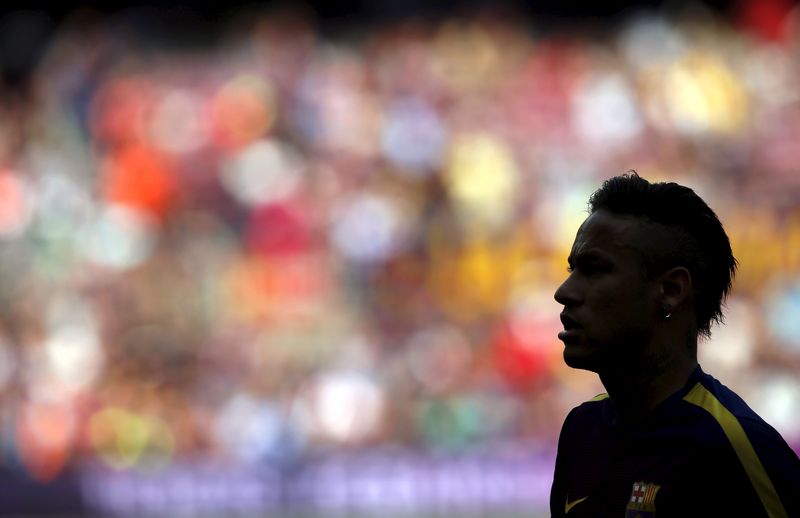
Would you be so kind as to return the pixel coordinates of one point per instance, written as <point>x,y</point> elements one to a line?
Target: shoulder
<point>772,467</point>
<point>730,412</point>
<point>587,423</point>
<point>593,412</point>
<point>594,405</point>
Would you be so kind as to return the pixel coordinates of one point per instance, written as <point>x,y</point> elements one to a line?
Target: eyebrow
<point>587,256</point>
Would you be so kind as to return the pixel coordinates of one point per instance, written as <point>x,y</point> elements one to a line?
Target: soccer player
<point>649,271</point>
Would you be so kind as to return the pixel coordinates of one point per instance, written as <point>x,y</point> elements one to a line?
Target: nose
<point>567,294</point>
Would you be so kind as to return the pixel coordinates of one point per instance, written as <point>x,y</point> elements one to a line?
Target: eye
<point>589,268</point>
<point>599,268</point>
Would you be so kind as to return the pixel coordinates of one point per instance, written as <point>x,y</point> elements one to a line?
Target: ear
<point>675,287</point>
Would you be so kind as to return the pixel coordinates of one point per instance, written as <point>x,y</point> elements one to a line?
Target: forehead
<point>608,233</point>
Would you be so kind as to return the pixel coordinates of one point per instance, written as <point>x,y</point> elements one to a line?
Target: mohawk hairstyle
<point>692,237</point>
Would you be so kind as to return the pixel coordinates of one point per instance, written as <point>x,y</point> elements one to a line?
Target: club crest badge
<point>642,503</point>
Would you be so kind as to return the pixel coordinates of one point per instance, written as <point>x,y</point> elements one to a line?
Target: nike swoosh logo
<point>569,505</point>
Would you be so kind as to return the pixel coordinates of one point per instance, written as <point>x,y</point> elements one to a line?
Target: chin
<point>580,359</point>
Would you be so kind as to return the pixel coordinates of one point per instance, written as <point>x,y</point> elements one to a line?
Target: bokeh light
<point>287,262</point>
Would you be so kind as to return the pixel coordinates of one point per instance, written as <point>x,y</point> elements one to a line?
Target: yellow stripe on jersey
<point>599,397</point>
<point>733,430</point>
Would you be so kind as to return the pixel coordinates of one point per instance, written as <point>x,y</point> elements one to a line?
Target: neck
<point>637,388</point>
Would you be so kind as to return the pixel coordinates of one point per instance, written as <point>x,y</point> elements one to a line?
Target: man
<point>649,271</point>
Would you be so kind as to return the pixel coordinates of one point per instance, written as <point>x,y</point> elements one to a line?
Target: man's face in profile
<point>610,305</point>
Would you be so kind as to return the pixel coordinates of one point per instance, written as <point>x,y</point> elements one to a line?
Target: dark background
<point>26,27</point>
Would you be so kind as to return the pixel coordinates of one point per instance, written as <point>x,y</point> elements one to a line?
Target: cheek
<point>621,307</point>
<point>615,297</point>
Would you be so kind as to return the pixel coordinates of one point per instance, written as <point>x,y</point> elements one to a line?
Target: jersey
<point>702,452</point>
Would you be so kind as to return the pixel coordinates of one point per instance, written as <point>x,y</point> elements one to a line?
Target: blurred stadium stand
<point>298,260</point>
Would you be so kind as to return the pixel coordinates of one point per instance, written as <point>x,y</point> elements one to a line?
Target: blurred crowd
<point>293,241</point>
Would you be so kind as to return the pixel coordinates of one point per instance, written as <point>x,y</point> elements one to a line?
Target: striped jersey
<point>701,452</point>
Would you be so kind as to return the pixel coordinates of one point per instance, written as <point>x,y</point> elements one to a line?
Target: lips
<point>571,329</point>
<point>568,322</point>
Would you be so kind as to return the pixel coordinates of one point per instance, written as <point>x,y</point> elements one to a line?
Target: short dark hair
<point>693,237</point>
